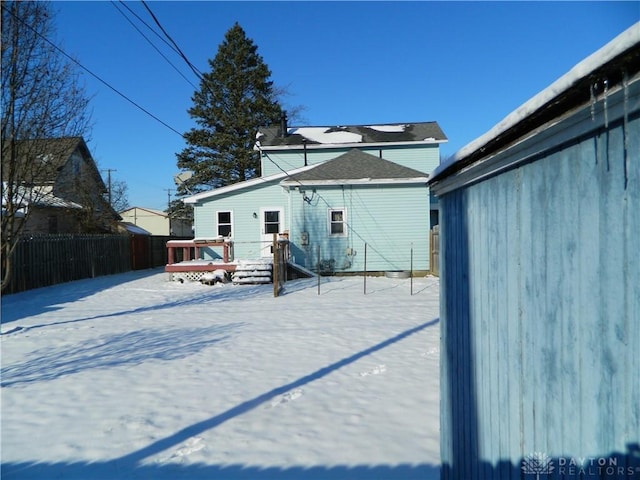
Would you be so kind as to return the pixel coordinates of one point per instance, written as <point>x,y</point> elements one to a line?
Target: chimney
<point>283,124</point>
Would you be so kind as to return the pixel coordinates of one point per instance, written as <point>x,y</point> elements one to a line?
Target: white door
<point>271,221</point>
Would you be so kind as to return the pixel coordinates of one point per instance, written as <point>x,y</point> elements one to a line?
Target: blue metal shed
<point>540,283</point>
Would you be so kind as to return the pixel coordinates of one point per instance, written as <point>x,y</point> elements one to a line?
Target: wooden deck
<point>192,267</point>
<point>189,246</point>
<point>200,266</point>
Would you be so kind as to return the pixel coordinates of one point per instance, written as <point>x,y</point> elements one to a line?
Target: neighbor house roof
<point>42,197</point>
<point>356,167</point>
<point>272,138</point>
<point>48,156</point>
<point>134,229</point>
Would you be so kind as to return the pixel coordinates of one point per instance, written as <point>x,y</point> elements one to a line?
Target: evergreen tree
<point>180,210</point>
<point>234,100</point>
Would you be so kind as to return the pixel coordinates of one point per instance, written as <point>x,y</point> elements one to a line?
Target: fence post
<point>365,268</point>
<point>318,273</point>
<point>275,273</point>
<point>411,272</point>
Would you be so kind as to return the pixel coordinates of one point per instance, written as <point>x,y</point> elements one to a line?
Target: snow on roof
<point>617,46</point>
<point>40,196</point>
<point>323,136</point>
<point>135,229</point>
<point>326,135</point>
<point>387,128</point>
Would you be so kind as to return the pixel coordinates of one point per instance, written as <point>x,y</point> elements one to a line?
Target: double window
<point>337,222</point>
<point>224,223</point>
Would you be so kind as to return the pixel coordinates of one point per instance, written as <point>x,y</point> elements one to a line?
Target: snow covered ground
<point>131,376</point>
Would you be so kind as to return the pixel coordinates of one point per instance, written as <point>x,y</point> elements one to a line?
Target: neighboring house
<point>157,223</point>
<point>540,283</point>
<point>332,190</point>
<point>61,190</point>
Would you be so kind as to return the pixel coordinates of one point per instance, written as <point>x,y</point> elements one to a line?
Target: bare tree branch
<point>41,99</point>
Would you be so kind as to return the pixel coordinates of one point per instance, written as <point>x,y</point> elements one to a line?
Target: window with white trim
<point>337,222</point>
<point>224,223</point>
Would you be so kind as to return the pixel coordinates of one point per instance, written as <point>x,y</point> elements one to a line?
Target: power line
<point>197,72</point>
<point>149,41</point>
<point>97,77</point>
<point>148,26</point>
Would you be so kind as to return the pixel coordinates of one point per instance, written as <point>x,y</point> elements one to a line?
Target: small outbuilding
<point>540,282</point>
<point>157,222</point>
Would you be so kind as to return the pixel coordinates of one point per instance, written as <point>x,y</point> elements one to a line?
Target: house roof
<point>240,186</point>
<point>573,89</point>
<point>134,229</point>
<point>51,154</point>
<point>36,196</point>
<point>271,138</point>
<point>354,167</point>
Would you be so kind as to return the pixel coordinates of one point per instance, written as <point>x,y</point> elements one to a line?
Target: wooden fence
<point>43,260</point>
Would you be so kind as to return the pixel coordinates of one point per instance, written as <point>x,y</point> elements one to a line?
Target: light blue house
<point>332,190</point>
<point>540,283</point>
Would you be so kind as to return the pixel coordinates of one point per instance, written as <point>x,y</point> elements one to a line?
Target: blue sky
<point>465,65</point>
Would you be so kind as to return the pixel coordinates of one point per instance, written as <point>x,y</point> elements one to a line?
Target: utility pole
<point>109,170</point>
<point>168,190</point>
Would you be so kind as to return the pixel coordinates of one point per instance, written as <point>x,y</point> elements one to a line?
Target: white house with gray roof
<point>332,190</point>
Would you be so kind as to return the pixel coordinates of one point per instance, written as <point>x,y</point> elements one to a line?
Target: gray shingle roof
<point>270,137</point>
<point>356,165</point>
<point>49,156</point>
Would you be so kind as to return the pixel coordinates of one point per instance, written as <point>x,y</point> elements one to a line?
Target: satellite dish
<point>182,177</point>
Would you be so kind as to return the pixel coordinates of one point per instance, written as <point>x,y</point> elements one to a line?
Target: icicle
<point>625,84</point>
<point>593,101</point>
<point>604,103</point>
<point>625,126</point>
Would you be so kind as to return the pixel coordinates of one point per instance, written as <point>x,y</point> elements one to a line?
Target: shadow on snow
<point>107,351</point>
<point>47,299</point>
<point>131,465</point>
<point>115,470</point>
<point>13,311</point>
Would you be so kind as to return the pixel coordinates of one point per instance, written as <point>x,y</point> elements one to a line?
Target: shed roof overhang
<point>612,68</point>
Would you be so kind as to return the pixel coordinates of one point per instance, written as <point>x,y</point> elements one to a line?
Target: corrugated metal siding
<point>388,218</point>
<point>540,291</point>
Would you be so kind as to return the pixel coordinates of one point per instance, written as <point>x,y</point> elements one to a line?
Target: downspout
<point>304,144</point>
